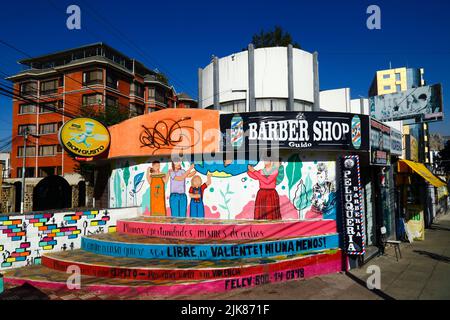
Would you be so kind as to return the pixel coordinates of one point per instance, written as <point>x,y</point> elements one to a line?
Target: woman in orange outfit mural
<point>157,181</point>
<point>267,203</point>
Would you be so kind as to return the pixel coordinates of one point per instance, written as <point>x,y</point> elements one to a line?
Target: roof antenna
<point>390,65</point>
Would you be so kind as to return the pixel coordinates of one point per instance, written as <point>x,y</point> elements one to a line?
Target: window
<point>112,80</point>
<point>31,151</point>
<point>112,101</point>
<point>160,96</point>
<point>398,87</point>
<point>49,87</point>
<point>93,77</point>
<point>48,128</point>
<point>47,107</point>
<point>28,88</point>
<point>386,76</point>
<point>48,171</point>
<point>30,127</point>
<point>29,172</point>
<point>151,92</point>
<point>27,108</point>
<point>92,99</point>
<point>387,87</point>
<point>397,76</point>
<point>136,109</point>
<point>137,89</point>
<point>50,150</point>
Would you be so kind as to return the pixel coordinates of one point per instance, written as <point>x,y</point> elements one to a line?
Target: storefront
<point>379,188</point>
<point>283,166</point>
<point>415,180</point>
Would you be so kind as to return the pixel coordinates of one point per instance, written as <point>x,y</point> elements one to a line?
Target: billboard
<point>424,103</point>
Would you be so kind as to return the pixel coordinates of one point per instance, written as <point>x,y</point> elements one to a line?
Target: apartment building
<point>57,86</point>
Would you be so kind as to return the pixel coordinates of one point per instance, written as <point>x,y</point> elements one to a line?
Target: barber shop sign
<point>352,206</point>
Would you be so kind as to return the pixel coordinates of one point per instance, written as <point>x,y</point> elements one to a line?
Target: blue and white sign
<point>210,251</point>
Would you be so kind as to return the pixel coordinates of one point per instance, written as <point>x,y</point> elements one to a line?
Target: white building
<point>5,161</point>
<point>264,79</point>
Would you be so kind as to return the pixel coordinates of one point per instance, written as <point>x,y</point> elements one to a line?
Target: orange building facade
<point>57,87</point>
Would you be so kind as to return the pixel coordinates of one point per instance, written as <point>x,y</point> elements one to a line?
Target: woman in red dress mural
<point>267,203</point>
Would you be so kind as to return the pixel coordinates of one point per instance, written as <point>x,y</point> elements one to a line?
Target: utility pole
<point>26,133</point>
<point>22,198</point>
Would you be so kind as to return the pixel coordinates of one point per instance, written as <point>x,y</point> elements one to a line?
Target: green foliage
<point>273,38</point>
<point>109,115</point>
<point>161,77</point>
<point>443,159</point>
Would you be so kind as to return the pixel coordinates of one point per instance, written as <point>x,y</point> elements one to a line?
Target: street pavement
<point>423,272</point>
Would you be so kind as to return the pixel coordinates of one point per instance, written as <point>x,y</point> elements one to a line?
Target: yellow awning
<point>421,170</point>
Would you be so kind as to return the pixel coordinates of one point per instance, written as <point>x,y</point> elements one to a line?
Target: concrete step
<point>139,269</point>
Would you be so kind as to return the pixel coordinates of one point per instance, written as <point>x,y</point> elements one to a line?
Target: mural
<point>297,187</point>
<point>24,238</point>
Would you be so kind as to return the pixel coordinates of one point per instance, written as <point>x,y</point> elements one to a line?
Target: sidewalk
<point>423,272</point>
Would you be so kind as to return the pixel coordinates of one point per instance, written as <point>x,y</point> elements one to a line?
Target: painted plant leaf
<point>309,190</point>
<point>294,170</point>
<point>126,173</point>
<point>117,190</point>
<point>137,180</point>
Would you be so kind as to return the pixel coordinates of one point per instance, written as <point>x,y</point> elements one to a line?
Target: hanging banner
<point>352,206</point>
<point>380,143</point>
<point>295,130</point>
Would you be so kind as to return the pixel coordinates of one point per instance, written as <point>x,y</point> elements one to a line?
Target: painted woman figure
<point>178,199</point>
<point>323,202</point>
<point>196,191</point>
<point>157,181</point>
<point>267,203</point>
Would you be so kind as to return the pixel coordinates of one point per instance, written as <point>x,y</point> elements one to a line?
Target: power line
<point>10,94</point>
<point>53,68</point>
<point>130,43</point>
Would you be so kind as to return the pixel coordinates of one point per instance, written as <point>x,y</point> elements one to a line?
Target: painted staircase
<point>169,256</point>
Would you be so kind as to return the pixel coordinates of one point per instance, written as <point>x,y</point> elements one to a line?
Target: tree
<point>436,142</point>
<point>443,158</point>
<point>275,38</point>
<point>108,115</point>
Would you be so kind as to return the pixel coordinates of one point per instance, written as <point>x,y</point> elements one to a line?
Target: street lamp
<point>25,137</point>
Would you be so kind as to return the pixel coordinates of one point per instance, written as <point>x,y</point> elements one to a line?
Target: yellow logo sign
<point>84,137</point>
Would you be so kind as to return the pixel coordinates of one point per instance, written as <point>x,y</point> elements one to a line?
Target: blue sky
<point>177,37</point>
